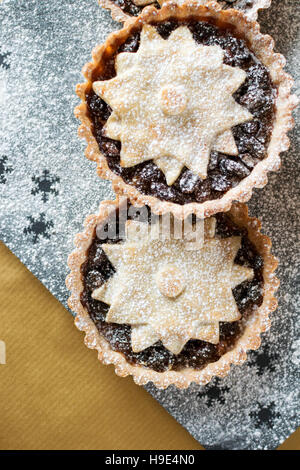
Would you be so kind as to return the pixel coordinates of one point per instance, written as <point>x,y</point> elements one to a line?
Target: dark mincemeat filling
<point>257,94</point>
<point>196,354</point>
<point>130,8</point>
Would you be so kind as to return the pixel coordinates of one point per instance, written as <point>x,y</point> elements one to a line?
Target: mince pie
<point>186,109</point>
<point>168,300</point>
<point>121,10</point>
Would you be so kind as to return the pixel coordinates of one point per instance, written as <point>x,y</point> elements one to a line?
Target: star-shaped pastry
<point>172,103</point>
<point>168,293</point>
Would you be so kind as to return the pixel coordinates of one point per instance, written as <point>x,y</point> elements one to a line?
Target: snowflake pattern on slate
<point>38,227</point>
<point>265,415</point>
<point>264,360</point>
<point>45,185</point>
<point>214,394</point>
<point>5,169</point>
<point>4,60</point>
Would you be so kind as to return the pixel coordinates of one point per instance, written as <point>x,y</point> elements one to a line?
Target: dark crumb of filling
<point>257,94</point>
<point>196,354</point>
<point>130,8</point>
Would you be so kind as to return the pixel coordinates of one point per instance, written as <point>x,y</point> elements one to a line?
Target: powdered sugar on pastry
<point>177,111</point>
<point>166,293</point>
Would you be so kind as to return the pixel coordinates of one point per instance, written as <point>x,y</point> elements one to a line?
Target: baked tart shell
<point>119,15</point>
<point>256,324</point>
<point>116,12</point>
<point>261,45</point>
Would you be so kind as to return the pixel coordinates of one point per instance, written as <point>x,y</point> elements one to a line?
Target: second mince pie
<point>171,301</point>
<point>186,109</point>
<point>121,10</point>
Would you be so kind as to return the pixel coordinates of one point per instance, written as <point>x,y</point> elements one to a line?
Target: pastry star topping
<point>170,294</point>
<point>172,103</point>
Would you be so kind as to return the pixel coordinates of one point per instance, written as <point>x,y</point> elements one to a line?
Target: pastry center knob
<point>170,280</point>
<point>173,100</point>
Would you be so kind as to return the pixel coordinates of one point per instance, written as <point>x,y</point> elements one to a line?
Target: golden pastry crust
<point>119,15</point>
<point>257,323</point>
<point>116,12</point>
<point>261,45</point>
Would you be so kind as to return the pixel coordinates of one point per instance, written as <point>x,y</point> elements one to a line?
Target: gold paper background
<point>54,393</point>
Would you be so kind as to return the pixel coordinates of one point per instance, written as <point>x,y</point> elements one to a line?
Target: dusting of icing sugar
<point>250,7</point>
<point>167,293</point>
<point>178,111</point>
<point>296,353</point>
